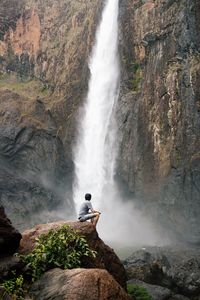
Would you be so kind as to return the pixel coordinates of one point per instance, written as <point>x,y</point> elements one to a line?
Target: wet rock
<point>34,180</point>
<point>9,236</point>
<point>158,114</point>
<point>106,257</point>
<point>175,268</point>
<point>78,284</point>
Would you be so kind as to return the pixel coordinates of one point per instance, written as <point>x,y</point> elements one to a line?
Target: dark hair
<point>88,196</point>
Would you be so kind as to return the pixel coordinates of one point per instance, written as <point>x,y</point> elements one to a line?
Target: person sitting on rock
<point>87,212</point>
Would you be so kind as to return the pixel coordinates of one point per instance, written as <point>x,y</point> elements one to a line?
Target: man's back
<point>84,208</point>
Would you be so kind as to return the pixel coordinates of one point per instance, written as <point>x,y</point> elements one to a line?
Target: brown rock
<point>9,236</point>
<point>78,284</point>
<point>106,257</point>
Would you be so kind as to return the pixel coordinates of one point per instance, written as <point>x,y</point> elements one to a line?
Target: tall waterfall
<point>96,147</point>
<point>95,152</point>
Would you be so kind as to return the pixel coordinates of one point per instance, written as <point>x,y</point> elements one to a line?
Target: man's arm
<point>91,208</point>
<point>95,211</point>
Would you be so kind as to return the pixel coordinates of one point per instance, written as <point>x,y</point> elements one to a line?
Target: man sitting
<point>87,212</point>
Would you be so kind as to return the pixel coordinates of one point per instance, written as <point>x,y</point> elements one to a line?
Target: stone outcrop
<point>105,259</point>
<point>158,111</point>
<point>9,236</point>
<point>78,284</point>
<point>176,268</point>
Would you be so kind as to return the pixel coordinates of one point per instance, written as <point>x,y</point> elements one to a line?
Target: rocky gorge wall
<point>44,50</point>
<point>159,110</point>
<point>43,72</point>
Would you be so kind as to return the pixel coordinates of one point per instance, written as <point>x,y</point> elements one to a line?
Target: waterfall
<point>96,151</point>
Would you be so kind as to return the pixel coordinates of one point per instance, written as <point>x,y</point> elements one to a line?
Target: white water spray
<point>96,149</point>
<point>95,156</point>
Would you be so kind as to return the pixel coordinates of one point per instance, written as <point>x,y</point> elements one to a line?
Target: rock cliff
<point>44,50</point>
<point>159,110</point>
<point>43,72</point>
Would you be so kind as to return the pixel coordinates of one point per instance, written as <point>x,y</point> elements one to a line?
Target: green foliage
<point>15,287</point>
<point>135,76</point>
<point>138,292</point>
<point>63,248</point>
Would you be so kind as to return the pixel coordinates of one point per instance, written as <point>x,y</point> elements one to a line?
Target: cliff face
<point>43,72</point>
<point>159,109</point>
<point>44,50</point>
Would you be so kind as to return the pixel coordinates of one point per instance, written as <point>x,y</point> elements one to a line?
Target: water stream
<point>96,150</point>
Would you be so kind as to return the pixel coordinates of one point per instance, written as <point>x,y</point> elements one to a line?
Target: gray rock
<point>158,111</point>
<point>173,267</point>
<point>34,175</point>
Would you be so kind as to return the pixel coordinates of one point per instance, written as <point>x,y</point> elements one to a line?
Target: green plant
<point>135,76</point>
<point>138,292</point>
<point>15,287</point>
<point>63,247</point>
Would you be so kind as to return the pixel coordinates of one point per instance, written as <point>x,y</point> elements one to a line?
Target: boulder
<point>105,259</point>
<point>77,284</point>
<point>174,267</point>
<point>9,236</point>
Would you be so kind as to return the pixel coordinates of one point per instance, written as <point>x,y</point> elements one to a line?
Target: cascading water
<point>96,147</point>
<point>95,155</point>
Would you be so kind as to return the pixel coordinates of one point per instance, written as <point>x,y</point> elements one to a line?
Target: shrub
<point>15,287</point>
<point>138,292</point>
<point>63,248</point>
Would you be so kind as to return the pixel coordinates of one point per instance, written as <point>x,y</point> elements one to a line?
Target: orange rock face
<point>25,38</point>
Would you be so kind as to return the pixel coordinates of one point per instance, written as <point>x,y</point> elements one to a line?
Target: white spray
<point>94,156</point>
<point>96,149</point>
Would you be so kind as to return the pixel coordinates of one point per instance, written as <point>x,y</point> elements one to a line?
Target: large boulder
<point>77,284</point>
<point>9,236</point>
<point>105,259</point>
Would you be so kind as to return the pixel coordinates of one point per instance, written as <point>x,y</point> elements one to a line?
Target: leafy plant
<point>15,287</point>
<point>135,76</point>
<point>138,292</point>
<point>63,247</point>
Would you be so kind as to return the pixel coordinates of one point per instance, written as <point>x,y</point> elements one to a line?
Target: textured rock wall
<point>43,72</point>
<point>159,109</point>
